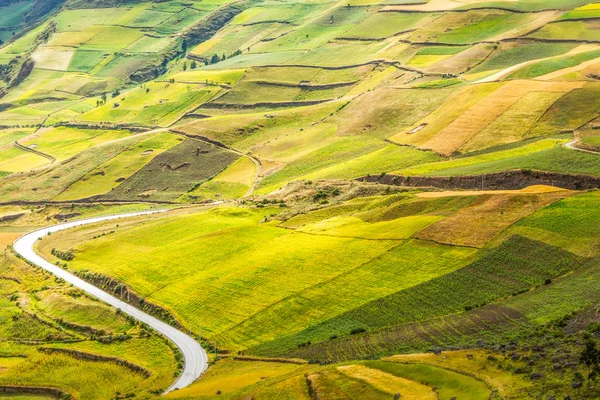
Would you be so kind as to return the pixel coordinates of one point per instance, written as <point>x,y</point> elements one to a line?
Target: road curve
<point>195,357</point>
<point>572,146</point>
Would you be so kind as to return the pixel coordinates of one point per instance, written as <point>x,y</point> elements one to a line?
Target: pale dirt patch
<point>53,58</point>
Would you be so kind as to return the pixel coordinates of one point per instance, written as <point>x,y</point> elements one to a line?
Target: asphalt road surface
<point>195,357</point>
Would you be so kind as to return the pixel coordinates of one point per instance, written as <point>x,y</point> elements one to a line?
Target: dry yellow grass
<point>389,383</point>
<point>7,238</point>
<point>461,61</point>
<point>449,111</point>
<point>54,58</point>
<point>241,171</point>
<point>486,217</point>
<point>528,190</point>
<point>439,5</point>
<point>515,123</point>
<point>484,112</point>
<point>229,376</point>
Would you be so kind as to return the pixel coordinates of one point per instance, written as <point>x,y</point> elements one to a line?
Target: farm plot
<point>546,67</point>
<point>586,30</point>
<point>515,266</point>
<point>234,279</point>
<point>149,44</point>
<point>248,92</point>
<point>469,27</point>
<point>388,383</point>
<point>441,167</point>
<point>174,172</point>
<point>382,113</point>
<point>570,223</point>
<point>14,159</point>
<point>74,38</point>
<point>232,376</point>
<point>154,103</point>
<point>234,182</point>
<point>470,123</point>
<point>51,182</point>
<point>453,107</point>
<point>341,150</point>
<point>112,39</point>
<point>53,58</point>
<point>227,77</point>
<point>383,24</point>
<point>79,20</point>
<point>478,223</point>
<point>315,34</point>
<point>340,53</point>
<point>250,131</point>
<point>386,159</point>
<point>587,11</point>
<point>510,54</point>
<point>514,124</point>
<point>105,176</point>
<point>556,159</point>
<point>85,61</point>
<point>183,19</point>
<point>65,142</point>
<point>401,267</point>
<point>74,308</point>
<point>447,383</point>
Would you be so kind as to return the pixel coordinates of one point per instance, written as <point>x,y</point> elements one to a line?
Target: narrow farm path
<point>507,71</point>
<point>195,357</point>
<point>573,146</point>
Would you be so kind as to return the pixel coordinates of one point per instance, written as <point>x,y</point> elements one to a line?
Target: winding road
<point>195,357</point>
<point>572,146</point>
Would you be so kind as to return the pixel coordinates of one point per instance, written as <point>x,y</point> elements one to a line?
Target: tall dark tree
<point>590,357</point>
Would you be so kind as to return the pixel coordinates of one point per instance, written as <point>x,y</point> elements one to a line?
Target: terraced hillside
<point>394,178</point>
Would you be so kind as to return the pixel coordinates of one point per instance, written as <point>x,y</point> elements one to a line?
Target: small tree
<point>214,59</point>
<point>194,65</point>
<point>185,66</point>
<point>590,357</point>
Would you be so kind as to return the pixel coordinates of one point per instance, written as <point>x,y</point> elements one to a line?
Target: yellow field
<point>485,112</point>
<point>489,215</point>
<point>389,383</point>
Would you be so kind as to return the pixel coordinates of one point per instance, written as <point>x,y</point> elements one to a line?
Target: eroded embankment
<point>509,180</point>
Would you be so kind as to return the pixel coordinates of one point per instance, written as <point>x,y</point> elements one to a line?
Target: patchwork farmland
<point>366,199</point>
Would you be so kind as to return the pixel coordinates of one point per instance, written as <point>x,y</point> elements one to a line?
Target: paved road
<point>195,357</point>
<point>572,146</point>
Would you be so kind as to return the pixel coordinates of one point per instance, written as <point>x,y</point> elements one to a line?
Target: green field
<point>273,132</point>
